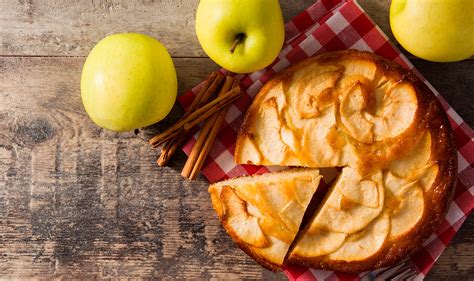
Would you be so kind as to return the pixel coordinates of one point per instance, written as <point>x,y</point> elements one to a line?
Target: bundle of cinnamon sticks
<point>204,108</point>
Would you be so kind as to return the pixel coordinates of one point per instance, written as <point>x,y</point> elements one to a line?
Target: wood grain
<point>79,201</point>
<point>76,197</point>
<point>72,28</point>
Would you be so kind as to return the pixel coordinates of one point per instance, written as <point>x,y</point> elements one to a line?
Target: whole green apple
<point>240,35</point>
<point>435,30</point>
<point>128,81</point>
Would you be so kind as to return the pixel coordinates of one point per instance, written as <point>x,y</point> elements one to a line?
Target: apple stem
<point>237,40</point>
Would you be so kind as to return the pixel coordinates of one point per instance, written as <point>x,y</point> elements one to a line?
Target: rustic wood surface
<point>79,201</point>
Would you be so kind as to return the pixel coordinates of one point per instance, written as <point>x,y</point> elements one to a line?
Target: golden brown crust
<point>217,191</point>
<point>429,116</point>
<point>216,204</point>
<point>437,202</point>
<point>247,249</point>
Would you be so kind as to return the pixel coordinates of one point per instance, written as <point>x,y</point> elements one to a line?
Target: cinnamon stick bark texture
<point>213,82</point>
<point>193,156</point>
<point>202,113</point>
<point>219,119</point>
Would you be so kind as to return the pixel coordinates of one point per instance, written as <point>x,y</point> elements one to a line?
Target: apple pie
<point>387,135</point>
<point>263,213</point>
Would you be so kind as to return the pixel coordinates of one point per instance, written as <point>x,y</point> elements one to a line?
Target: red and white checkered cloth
<point>330,25</point>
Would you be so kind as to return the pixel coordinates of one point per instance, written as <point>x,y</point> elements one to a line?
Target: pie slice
<point>263,213</point>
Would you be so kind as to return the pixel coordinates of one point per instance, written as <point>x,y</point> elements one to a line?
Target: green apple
<point>128,81</point>
<point>435,30</point>
<point>240,35</point>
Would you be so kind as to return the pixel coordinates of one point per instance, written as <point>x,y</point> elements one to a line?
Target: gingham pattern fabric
<point>330,25</point>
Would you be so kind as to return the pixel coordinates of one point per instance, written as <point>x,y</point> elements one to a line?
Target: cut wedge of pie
<point>263,213</point>
<point>389,139</point>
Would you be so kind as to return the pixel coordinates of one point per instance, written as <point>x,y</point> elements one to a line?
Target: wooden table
<point>79,201</point>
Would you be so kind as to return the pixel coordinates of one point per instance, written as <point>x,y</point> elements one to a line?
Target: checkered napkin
<point>330,25</point>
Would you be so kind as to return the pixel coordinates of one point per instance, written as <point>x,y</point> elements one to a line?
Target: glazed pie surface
<point>387,135</point>
<point>263,213</point>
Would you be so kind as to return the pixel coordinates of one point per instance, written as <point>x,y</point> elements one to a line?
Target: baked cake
<point>385,131</point>
<point>263,213</point>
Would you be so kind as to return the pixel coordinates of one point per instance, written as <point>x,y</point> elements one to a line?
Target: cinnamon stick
<point>210,139</point>
<point>193,156</point>
<point>212,83</point>
<point>195,117</point>
<point>169,149</point>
